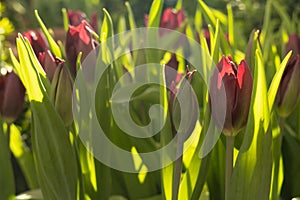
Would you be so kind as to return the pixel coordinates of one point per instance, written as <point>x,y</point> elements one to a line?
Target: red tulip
<point>294,45</point>
<point>234,86</point>
<point>171,19</point>
<point>76,17</point>
<point>37,41</point>
<point>12,94</point>
<point>288,94</point>
<point>79,39</point>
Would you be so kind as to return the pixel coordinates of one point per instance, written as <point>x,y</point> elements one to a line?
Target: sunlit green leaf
<point>155,13</point>
<point>53,45</point>
<point>276,81</point>
<point>7,185</point>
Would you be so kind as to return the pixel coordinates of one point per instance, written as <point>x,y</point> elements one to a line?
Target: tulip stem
<point>229,163</point>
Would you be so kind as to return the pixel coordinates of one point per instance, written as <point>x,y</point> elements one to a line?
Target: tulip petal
<point>290,89</point>
<point>243,95</point>
<point>13,97</point>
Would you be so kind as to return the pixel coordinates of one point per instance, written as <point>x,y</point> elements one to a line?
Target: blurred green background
<point>21,11</point>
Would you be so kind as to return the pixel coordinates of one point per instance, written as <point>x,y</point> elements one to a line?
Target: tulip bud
<point>61,93</point>
<point>79,39</point>
<point>171,71</point>
<point>76,17</point>
<point>37,41</point>
<point>289,89</point>
<point>294,45</point>
<point>172,19</point>
<point>234,86</point>
<point>12,94</point>
<point>183,116</point>
<point>49,63</point>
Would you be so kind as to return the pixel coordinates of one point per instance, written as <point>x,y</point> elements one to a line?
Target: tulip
<point>12,94</point>
<point>289,92</point>
<point>230,95</point>
<point>61,93</point>
<point>294,45</point>
<point>79,39</point>
<point>76,17</point>
<point>190,113</point>
<point>37,41</point>
<point>49,63</point>
<point>171,19</point>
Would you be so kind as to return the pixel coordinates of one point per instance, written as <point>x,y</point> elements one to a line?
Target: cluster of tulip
<point>246,114</point>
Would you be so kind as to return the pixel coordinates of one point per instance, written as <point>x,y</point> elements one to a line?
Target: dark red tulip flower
<point>230,95</point>
<point>172,19</point>
<point>37,41</point>
<point>12,94</point>
<point>293,44</point>
<point>76,17</point>
<point>79,39</point>
<point>288,94</point>
<point>49,63</point>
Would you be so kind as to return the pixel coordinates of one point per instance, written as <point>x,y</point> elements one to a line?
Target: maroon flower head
<point>12,94</point>
<point>288,94</point>
<point>49,63</point>
<point>37,41</point>
<point>79,39</point>
<point>76,17</point>
<point>293,44</point>
<point>234,86</point>
<point>172,19</point>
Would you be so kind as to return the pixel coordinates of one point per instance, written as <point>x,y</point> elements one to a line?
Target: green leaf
<point>54,156</point>
<point>291,162</point>
<point>207,12</point>
<point>210,17</point>
<point>53,46</point>
<point>230,25</point>
<point>65,18</point>
<point>155,13</point>
<point>216,174</point>
<point>251,177</point>
<point>198,19</point>
<point>24,157</point>
<point>7,185</point>
<point>195,176</point>
<point>215,46</point>
<point>132,23</point>
<point>179,5</point>
<point>276,81</point>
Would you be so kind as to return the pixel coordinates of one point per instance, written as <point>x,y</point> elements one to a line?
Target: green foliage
<point>266,165</point>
